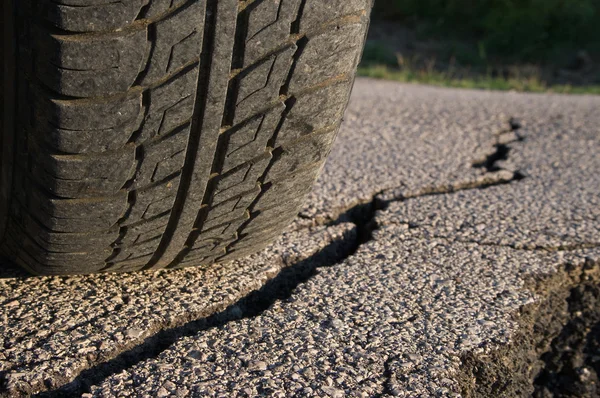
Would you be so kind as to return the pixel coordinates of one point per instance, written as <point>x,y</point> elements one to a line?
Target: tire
<point>166,133</point>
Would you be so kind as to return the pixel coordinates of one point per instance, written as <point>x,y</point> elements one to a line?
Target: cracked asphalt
<point>436,256</point>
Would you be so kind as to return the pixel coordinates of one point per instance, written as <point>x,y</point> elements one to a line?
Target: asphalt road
<point>450,246</point>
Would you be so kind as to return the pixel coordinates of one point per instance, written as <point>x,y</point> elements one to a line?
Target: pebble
<point>257,365</point>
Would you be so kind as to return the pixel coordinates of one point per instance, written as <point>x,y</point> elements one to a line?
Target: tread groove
<point>151,39</point>
<point>228,115</point>
<point>206,61</point>
<point>270,144</point>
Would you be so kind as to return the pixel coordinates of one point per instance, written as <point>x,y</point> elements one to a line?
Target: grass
<point>464,69</point>
<point>444,79</point>
<point>521,45</point>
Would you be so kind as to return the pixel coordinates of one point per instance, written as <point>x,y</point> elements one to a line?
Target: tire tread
<point>169,133</point>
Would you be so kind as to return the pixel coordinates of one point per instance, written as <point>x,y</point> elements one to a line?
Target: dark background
<point>543,42</point>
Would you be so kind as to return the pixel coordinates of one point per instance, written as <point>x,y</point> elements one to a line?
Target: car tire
<point>148,134</point>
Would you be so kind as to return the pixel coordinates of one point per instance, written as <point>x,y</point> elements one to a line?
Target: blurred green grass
<point>524,45</point>
<point>435,78</point>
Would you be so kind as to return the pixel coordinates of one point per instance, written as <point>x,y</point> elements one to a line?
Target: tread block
<point>144,231</point>
<point>230,209</point>
<point>64,258</point>
<point>201,261</point>
<point>78,176</point>
<point>61,268</point>
<point>100,15</point>
<point>90,65</point>
<point>260,84</point>
<point>170,105</point>
<point>207,249</point>
<point>291,190</point>
<point>206,245</point>
<point>330,54</point>
<point>162,158</point>
<point>250,138</point>
<point>227,229</point>
<point>83,126</point>
<point>314,111</point>
<point>134,264</point>
<point>269,25</point>
<point>248,246</point>
<point>61,241</point>
<point>311,151</point>
<point>319,12</point>
<point>240,180</point>
<point>76,215</point>
<point>133,252</point>
<point>158,7</point>
<point>267,235</point>
<point>88,15</point>
<point>273,219</point>
<point>153,201</point>
<point>177,42</point>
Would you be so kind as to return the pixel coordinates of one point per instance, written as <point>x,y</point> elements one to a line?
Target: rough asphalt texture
<point>440,254</point>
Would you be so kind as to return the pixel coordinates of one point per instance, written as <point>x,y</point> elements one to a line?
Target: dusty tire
<point>166,133</point>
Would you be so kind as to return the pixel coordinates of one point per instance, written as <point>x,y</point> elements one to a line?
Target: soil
<point>556,352</point>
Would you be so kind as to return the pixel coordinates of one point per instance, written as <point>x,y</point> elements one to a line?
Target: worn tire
<point>152,134</point>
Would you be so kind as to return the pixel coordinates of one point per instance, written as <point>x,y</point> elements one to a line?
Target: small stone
<point>337,323</point>
<point>133,333</point>
<point>194,354</point>
<point>584,374</point>
<point>169,385</point>
<point>413,357</point>
<point>257,365</point>
<point>162,392</point>
<point>309,374</point>
<point>332,391</point>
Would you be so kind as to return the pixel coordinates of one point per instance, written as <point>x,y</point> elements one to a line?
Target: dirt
<point>572,365</point>
<point>556,352</point>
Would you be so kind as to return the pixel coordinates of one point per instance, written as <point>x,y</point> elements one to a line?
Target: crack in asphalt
<point>502,149</point>
<point>282,286</point>
<point>388,375</point>
<point>277,289</point>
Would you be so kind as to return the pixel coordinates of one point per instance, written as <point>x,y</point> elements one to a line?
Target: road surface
<point>451,247</point>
